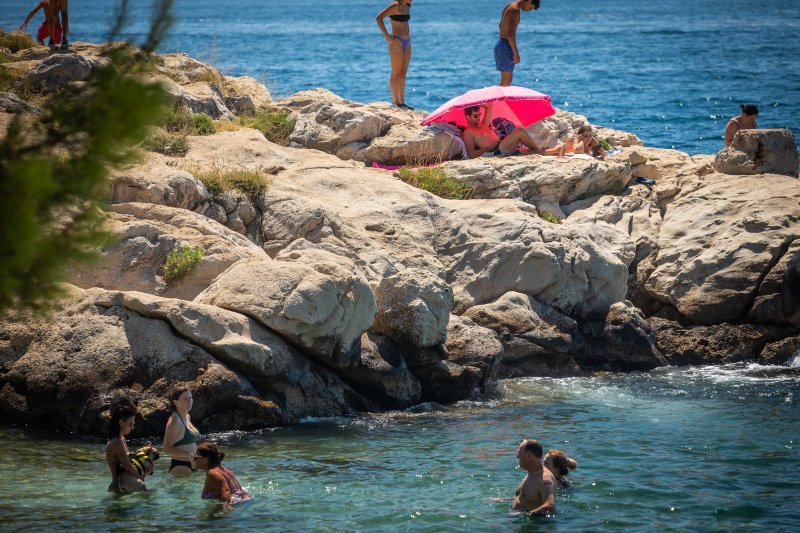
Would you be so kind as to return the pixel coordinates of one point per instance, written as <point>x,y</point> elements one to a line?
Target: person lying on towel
<point>480,137</point>
<point>582,143</point>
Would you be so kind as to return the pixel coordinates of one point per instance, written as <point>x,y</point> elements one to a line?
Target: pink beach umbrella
<point>520,105</point>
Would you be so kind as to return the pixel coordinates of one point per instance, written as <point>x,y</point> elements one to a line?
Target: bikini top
<point>400,18</point>
<point>189,436</point>
<point>233,486</point>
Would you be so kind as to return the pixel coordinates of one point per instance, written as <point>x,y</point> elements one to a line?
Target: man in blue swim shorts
<point>506,54</point>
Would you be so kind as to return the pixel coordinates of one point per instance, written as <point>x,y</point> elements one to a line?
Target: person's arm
<point>382,15</point>
<point>730,132</point>
<point>124,460</point>
<point>513,22</point>
<point>548,497</point>
<point>487,115</point>
<point>64,18</point>
<point>30,16</point>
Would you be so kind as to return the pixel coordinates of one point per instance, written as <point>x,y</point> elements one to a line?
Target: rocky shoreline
<point>341,288</point>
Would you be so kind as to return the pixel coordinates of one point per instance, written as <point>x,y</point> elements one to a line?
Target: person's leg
<point>50,16</point>
<point>396,58</point>
<point>520,135</point>
<point>505,78</point>
<point>401,81</point>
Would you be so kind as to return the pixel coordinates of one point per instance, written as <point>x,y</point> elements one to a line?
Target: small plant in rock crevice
<point>181,261</point>
<point>163,142</point>
<point>219,179</point>
<point>549,217</point>
<point>436,181</point>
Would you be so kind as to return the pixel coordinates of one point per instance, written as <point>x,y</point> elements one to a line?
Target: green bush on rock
<point>181,261</point>
<point>436,181</point>
<point>219,180</point>
<point>163,142</point>
<point>16,41</point>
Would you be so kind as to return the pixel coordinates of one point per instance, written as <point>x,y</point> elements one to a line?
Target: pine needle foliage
<point>54,176</point>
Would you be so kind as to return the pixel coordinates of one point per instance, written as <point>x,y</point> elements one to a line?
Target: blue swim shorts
<point>504,56</point>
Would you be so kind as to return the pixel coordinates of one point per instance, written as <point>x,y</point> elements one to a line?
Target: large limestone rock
<point>316,300</point>
<point>11,103</point>
<point>185,69</point>
<point>545,182</point>
<point>146,234</point>
<point>372,132</point>
<point>329,127</point>
<point>105,345</point>
<point>709,345</point>
<point>782,353</point>
<point>469,344</point>
<point>413,308</point>
<point>156,182</point>
<point>778,298</point>
<point>718,242</point>
<point>198,97</point>
<point>382,374</point>
<point>245,86</point>
<point>624,341</point>
<point>405,144</point>
<point>759,152</point>
<point>536,339</point>
<point>54,72</point>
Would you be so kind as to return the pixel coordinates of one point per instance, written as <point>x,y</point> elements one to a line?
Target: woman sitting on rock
<point>181,437</point>
<point>559,464</point>
<point>221,483</point>
<point>123,418</point>
<point>399,41</point>
<point>745,121</point>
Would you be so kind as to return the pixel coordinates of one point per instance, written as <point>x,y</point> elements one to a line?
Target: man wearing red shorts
<point>55,25</point>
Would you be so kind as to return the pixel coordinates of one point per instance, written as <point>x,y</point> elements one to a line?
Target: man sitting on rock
<point>480,138</point>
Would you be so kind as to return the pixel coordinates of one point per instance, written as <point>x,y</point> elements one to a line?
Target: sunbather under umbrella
<point>520,105</point>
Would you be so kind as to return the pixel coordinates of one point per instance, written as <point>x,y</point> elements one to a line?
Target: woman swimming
<point>221,483</point>
<point>399,41</point>
<point>745,121</point>
<point>559,464</point>
<point>180,436</point>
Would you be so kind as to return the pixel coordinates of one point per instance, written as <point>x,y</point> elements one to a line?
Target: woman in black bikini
<point>181,437</point>
<point>399,41</point>
<point>745,121</point>
<point>123,418</point>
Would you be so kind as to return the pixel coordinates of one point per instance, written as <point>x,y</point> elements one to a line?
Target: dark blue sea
<point>671,72</point>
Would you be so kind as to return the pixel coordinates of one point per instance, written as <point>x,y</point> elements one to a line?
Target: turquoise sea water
<point>671,72</point>
<point>704,449</point>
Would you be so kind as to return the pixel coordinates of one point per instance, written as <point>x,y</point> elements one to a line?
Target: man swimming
<point>479,137</point>
<point>506,54</point>
<point>535,493</point>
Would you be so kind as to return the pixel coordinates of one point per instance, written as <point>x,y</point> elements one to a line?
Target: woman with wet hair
<point>180,436</point>
<point>559,464</point>
<point>745,121</point>
<point>123,419</point>
<point>221,483</point>
<point>399,12</point>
